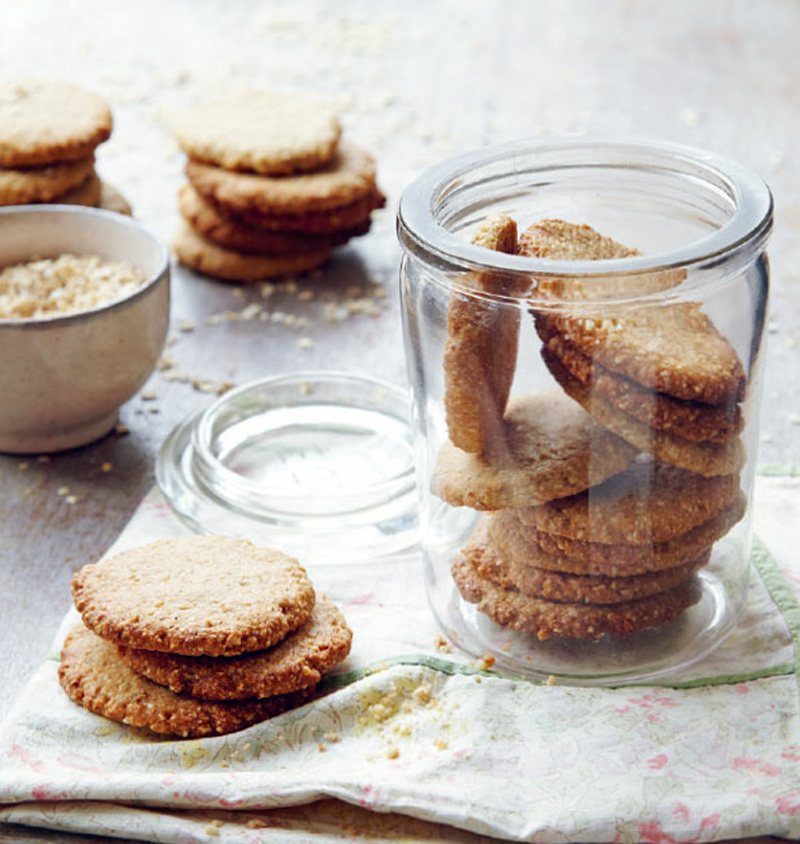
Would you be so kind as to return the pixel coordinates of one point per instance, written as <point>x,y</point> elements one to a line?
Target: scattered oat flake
<point>332,737</point>
<point>321,747</point>
<point>305,342</point>
<point>772,327</point>
<point>122,430</point>
<point>487,662</point>
<point>690,116</point>
<point>187,325</point>
<point>256,823</point>
<point>441,744</point>
<point>72,499</point>
<point>552,680</point>
<point>422,694</point>
<point>22,466</point>
<point>213,828</point>
<point>149,396</point>
<point>442,645</point>
<point>63,490</point>
<point>392,753</point>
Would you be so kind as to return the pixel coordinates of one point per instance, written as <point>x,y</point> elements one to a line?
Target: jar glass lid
<point>319,464</point>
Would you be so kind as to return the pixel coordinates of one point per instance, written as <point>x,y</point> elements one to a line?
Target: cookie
<point>295,663</point>
<point>112,200</point>
<point>545,619</point>
<point>480,352</point>
<point>348,177</point>
<point>671,348</point>
<point>87,193</point>
<point>554,449</point>
<point>42,183</point>
<point>270,132</point>
<point>198,596</point>
<point>705,458</point>
<point>231,234</point>
<point>553,552</point>
<point>227,264</point>
<point>94,677</point>
<point>510,572</point>
<point>690,420</point>
<point>348,216</point>
<point>649,502</point>
<point>43,122</point>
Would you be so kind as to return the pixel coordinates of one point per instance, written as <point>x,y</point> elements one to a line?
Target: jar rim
<point>750,222</point>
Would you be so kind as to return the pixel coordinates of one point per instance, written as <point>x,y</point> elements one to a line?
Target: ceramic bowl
<point>63,378</point>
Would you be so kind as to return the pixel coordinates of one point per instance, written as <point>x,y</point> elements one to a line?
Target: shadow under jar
<point>585,399</point>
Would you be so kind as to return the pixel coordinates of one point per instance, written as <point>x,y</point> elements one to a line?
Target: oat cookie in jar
<point>583,327</point>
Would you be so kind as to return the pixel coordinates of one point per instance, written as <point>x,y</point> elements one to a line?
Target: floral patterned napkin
<point>423,745</point>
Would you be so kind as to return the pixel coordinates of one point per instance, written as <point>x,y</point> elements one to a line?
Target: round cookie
<point>554,449</point>
<point>295,663</point>
<point>43,183</point>
<point>87,193</point>
<point>573,556</point>
<point>229,265</point>
<point>231,234</point>
<point>480,352</point>
<point>704,458</point>
<point>511,572</point>
<point>690,420</point>
<point>42,122</point>
<point>270,132</point>
<point>350,215</point>
<point>649,502</point>
<point>94,677</point>
<point>545,619</point>
<point>198,596</point>
<point>349,176</point>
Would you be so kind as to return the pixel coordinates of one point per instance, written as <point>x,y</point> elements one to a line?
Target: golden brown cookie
<point>672,348</point>
<point>295,663</point>
<point>227,264</point>
<point>554,449</point>
<point>480,352</point>
<point>198,596</point>
<point>94,677</point>
<point>649,502</point>
<point>348,177</point>
<point>545,619</point>
<point>112,200</point>
<point>42,183</point>
<point>87,193</point>
<point>43,122</point>
<point>574,556</point>
<point>512,572</point>
<point>238,236</point>
<point>705,458</point>
<point>348,216</point>
<point>690,420</point>
<point>271,132</point>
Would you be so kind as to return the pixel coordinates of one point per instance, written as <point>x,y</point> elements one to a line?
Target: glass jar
<point>585,399</point>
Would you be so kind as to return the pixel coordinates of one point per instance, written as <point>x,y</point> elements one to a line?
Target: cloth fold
<point>410,741</point>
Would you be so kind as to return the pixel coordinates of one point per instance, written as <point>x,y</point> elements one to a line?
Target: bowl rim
<point>161,272</point>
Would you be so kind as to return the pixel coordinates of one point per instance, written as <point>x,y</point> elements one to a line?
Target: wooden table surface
<point>416,82</point>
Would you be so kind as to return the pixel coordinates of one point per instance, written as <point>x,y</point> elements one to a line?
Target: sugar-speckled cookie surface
<point>211,259</point>
<point>513,572</point>
<point>198,595</point>
<point>554,552</point>
<point>231,233</point>
<point>43,183</point>
<point>705,458</point>
<point>546,619</point>
<point>272,132</point>
<point>554,449</point>
<point>42,122</point>
<point>480,353</point>
<point>690,420</point>
<point>93,676</point>
<point>649,502</point>
<point>295,663</point>
<point>348,177</point>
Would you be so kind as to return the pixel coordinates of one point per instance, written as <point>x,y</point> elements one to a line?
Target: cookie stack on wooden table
<point>601,509</point>
<point>272,189</point>
<point>48,135</point>
<point>198,636</point>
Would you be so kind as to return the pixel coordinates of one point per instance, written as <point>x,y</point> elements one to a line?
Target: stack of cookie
<point>271,188</point>
<point>48,135</point>
<point>166,648</point>
<point>590,530</point>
